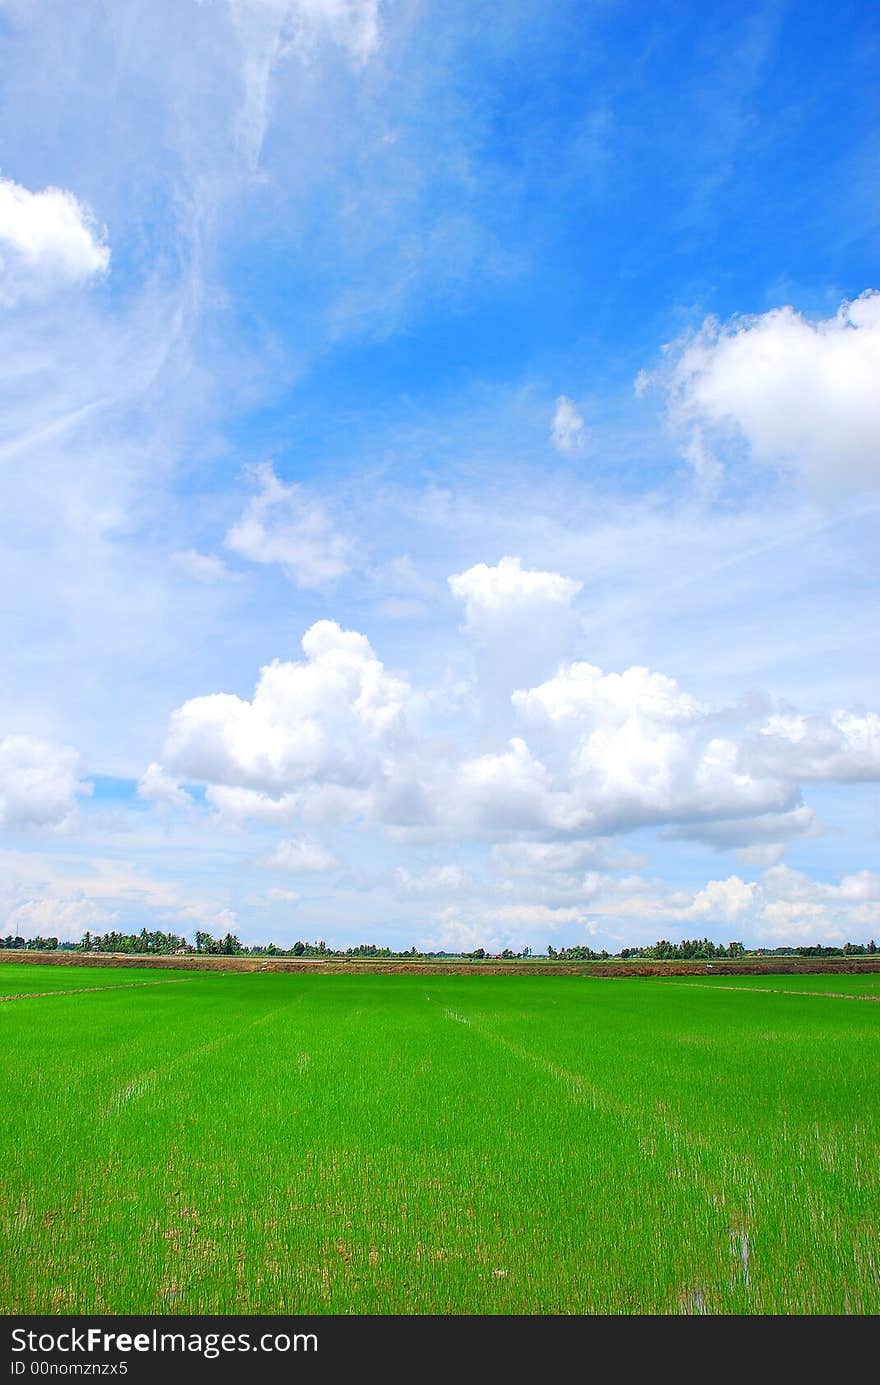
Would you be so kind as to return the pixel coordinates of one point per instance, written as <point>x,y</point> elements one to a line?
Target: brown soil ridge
<point>770,966</point>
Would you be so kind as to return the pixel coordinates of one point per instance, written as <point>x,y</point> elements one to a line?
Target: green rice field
<point>270,1143</point>
<point>828,983</point>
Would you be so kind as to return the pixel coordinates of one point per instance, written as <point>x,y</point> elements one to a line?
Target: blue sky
<point>441,456</point>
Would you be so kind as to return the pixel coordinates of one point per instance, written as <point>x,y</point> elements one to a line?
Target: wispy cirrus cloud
<point>286,525</point>
<point>568,432</point>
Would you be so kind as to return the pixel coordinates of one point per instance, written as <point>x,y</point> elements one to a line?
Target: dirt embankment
<point>770,966</point>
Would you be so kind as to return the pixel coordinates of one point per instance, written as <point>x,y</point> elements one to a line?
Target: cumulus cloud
<point>538,859</point>
<point>650,905</point>
<point>520,619</point>
<point>330,722</point>
<point>64,896</point>
<point>495,595</point>
<point>511,791</point>
<point>801,394</point>
<point>335,737</point>
<point>235,805</point>
<point>65,919</point>
<point>794,885</point>
<point>301,857</point>
<point>756,841</point>
<point>625,750</point>
<point>796,922</point>
<point>784,906</point>
<point>721,901</point>
<point>754,831</point>
<point>797,908</point>
<point>568,432</point>
<point>156,786</point>
<point>47,239</point>
<point>842,745</point>
<point>579,690</point>
<point>513,926</point>
<point>284,524</point>
<point>39,782</point>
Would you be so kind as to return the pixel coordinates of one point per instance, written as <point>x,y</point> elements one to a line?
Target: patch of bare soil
<point>749,967</point>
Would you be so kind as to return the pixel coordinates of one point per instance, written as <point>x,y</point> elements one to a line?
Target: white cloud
<point>802,394</point>
<point>407,594</point>
<point>511,791</point>
<point>788,921</point>
<point>354,24</point>
<point>203,567</point>
<point>721,901</point>
<point>568,432</point>
<point>301,857</point>
<point>271,30</point>
<point>579,690</point>
<point>401,576</point>
<point>512,926</point>
<point>65,919</point>
<point>47,239</point>
<point>794,885</point>
<point>530,916</point>
<point>786,906</point>
<point>842,746</point>
<point>757,841</point>
<point>508,592</point>
<point>761,853</point>
<point>333,718</point>
<point>755,831</point>
<point>626,750</point>
<point>706,466</point>
<point>442,880</point>
<point>538,859</point>
<point>798,908</point>
<point>285,525</point>
<point>399,608</point>
<point>236,805</point>
<point>157,786</point>
<point>315,803</point>
<point>39,782</point>
<point>334,738</point>
<point>75,893</point>
<point>520,619</point>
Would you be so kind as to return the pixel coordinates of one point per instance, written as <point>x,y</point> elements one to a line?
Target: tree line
<point>688,950</point>
<point>162,944</point>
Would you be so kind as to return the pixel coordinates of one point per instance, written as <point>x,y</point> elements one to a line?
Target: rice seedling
<point>262,1143</point>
